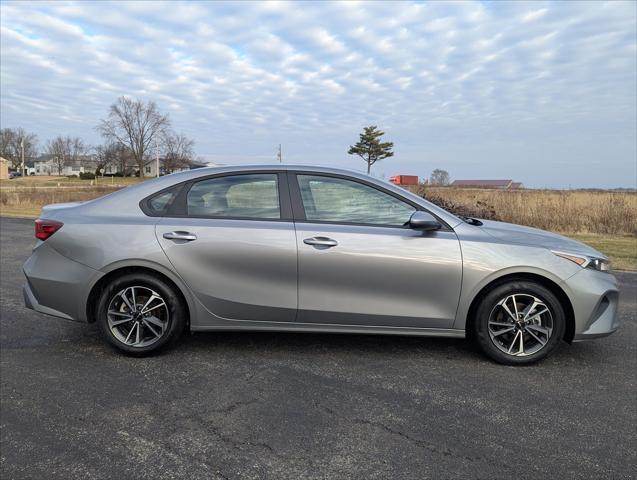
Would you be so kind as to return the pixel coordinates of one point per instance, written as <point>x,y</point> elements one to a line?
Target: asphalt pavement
<point>293,406</point>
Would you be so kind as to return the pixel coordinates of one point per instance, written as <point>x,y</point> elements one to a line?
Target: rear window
<point>158,204</point>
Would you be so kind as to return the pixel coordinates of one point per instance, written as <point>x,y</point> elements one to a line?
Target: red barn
<point>402,180</point>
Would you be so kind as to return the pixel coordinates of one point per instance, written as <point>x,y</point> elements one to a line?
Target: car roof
<point>277,166</point>
<point>203,171</point>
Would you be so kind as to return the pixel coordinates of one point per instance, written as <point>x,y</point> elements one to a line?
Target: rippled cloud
<point>541,92</point>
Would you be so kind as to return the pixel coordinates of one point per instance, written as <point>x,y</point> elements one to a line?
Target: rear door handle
<point>320,242</point>
<point>187,236</point>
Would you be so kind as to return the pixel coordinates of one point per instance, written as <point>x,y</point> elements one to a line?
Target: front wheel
<point>519,323</point>
<point>140,314</point>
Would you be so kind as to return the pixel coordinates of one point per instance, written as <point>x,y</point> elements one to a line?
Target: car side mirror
<point>424,221</point>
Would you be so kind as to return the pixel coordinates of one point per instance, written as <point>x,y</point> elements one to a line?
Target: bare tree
<point>78,151</point>
<point>439,177</point>
<point>58,149</point>
<point>66,151</point>
<point>136,125</point>
<point>178,151</point>
<point>11,141</point>
<point>124,159</point>
<point>114,155</point>
<point>103,157</point>
<point>6,138</point>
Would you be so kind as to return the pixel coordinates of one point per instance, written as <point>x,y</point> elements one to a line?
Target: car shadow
<point>380,348</point>
<point>86,338</point>
<point>300,343</point>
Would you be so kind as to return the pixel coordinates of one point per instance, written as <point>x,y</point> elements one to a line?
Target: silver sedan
<point>307,249</point>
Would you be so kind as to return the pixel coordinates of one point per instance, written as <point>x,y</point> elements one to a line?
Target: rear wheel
<point>519,323</point>
<point>140,314</point>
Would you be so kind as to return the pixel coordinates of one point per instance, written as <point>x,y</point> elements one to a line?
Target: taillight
<point>45,228</point>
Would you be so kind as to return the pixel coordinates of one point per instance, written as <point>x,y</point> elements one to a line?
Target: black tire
<point>488,305</point>
<point>174,306</point>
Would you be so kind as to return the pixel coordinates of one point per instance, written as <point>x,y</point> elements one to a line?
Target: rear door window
<point>254,196</point>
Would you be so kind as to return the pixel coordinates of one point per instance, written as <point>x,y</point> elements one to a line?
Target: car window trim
<point>299,212</point>
<point>179,207</point>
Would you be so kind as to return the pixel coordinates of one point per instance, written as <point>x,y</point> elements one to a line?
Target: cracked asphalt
<point>292,406</point>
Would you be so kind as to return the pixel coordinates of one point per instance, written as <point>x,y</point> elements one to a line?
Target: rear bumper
<point>31,302</point>
<point>595,299</point>
<point>57,285</point>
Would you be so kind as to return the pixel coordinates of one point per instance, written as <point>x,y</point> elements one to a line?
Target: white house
<point>49,167</point>
<point>46,165</point>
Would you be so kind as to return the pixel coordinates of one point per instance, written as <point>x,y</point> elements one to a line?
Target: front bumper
<point>57,285</point>
<point>595,298</point>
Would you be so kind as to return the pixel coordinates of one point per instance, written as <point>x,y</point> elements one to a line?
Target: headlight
<point>600,264</point>
<point>595,263</point>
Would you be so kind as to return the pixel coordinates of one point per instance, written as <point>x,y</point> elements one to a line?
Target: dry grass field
<point>52,181</point>
<point>558,211</point>
<point>28,201</point>
<point>605,220</point>
<point>25,197</point>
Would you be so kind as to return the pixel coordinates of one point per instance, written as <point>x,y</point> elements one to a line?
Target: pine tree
<point>370,148</point>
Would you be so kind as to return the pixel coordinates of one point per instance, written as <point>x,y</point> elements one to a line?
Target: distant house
<point>4,168</point>
<point>499,184</point>
<point>47,165</point>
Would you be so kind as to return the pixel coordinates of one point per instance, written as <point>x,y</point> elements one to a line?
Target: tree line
<point>133,132</point>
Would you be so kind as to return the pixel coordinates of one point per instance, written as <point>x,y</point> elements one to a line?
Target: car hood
<point>519,234</point>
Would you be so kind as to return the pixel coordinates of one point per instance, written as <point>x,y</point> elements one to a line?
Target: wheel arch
<point>549,284</point>
<point>116,271</point>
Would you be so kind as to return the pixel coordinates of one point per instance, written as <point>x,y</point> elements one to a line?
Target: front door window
<point>337,200</point>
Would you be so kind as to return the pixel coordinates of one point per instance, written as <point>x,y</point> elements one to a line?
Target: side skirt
<point>331,328</point>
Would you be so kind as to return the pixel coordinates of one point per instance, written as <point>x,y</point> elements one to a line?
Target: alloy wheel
<point>137,316</point>
<point>520,325</point>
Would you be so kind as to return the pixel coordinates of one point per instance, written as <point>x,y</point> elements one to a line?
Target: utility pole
<point>22,148</point>
<point>157,156</point>
<point>279,154</point>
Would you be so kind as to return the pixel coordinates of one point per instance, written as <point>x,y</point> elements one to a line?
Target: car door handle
<point>187,236</point>
<point>320,242</point>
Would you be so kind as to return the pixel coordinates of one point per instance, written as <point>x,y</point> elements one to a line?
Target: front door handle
<point>186,236</point>
<point>320,242</point>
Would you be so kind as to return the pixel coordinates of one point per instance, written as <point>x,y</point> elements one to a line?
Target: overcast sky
<point>541,92</point>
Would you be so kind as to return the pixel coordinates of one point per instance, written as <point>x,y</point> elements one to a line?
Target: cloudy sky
<point>542,92</point>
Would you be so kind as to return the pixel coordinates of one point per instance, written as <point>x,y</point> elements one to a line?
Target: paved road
<point>281,406</point>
